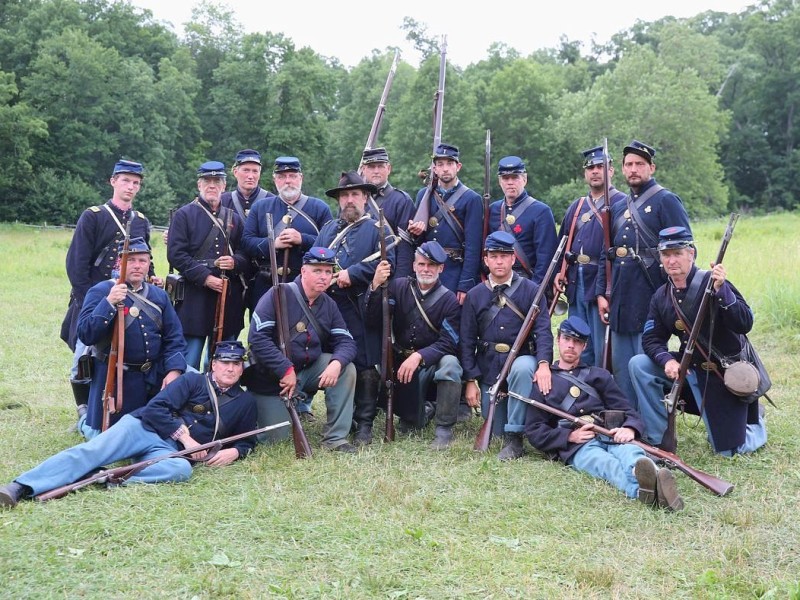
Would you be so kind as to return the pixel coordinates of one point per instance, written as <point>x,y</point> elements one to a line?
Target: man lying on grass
<point>195,409</point>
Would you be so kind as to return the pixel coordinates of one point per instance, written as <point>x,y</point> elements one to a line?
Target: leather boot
<point>646,474</point>
<point>448,396</point>
<point>80,391</point>
<point>366,398</point>
<point>11,494</point>
<point>512,448</point>
<point>443,439</point>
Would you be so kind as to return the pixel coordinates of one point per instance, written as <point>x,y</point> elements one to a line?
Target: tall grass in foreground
<point>397,520</point>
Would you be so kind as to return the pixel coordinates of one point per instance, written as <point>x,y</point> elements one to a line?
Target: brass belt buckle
<point>621,251</point>
<point>708,366</point>
<point>584,259</point>
<point>502,348</point>
<point>145,368</point>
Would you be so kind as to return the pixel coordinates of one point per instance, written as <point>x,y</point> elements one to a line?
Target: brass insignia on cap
<point>575,391</point>
<point>433,221</point>
<point>511,219</point>
<point>134,311</point>
<point>300,327</point>
<point>586,216</point>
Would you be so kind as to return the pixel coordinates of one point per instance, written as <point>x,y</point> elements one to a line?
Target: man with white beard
<point>297,220</point>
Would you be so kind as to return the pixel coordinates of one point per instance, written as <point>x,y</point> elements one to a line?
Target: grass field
<point>397,520</point>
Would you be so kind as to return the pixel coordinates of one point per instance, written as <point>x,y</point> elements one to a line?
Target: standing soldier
<point>635,272</point>
<point>355,240</point>
<point>154,348</point>
<point>398,208</point>
<point>92,254</point>
<point>454,219</point>
<point>425,332</point>
<point>529,220</point>
<point>203,247</point>
<point>585,251</point>
<point>493,314</point>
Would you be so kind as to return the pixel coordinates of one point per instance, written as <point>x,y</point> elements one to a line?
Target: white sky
<point>350,30</point>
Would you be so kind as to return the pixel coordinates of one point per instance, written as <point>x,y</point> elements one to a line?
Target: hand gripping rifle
<point>378,120</point>
<point>119,475</point>
<point>112,403</point>
<point>717,486</point>
<point>670,439</point>
<point>387,354</point>
<point>485,433</point>
<point>302,449</point>
<point>424,207</point>
<point>606,216</point>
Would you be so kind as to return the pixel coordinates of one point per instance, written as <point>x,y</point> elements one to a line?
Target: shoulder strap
<point>312,320</point>
<point>431,299</point>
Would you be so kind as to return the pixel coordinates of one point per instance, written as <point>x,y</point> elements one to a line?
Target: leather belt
<point>140,367</point>
<point>581,259</point>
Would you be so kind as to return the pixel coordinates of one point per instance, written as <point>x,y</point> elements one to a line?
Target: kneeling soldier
<point>425,330</point>
<point>591,392</point>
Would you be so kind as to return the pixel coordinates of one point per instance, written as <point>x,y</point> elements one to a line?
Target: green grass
<point>397,520</point>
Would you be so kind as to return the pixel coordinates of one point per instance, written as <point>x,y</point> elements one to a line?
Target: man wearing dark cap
<point>585,251</point>
<point>195,409</point>
<point>735,424</point>
<point>397,206</point>
<point>204,247</point>
<point>635,270</point>
<point>297,220</point>
<point>491,319</point>
<point>154,348</point>
<point>92,254</point>
<point>355,240</point>
<point>529,220</point>
<point>582,391</point>
<point>453,217</point>
<point>320,348</point>
<point>247,171</point>
<point>425,330</point>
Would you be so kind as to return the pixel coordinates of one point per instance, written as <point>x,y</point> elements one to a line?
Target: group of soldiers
<point>458,288</point>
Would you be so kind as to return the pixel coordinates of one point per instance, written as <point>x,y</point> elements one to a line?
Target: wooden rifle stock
<point>302,449</point>
<point>219,315</point>
<point>670,438</point>
<point>118,475</point>
<point>113,391</point>
<point>387,354</point>
<point>606,216</point>
<point>485,434</point>
<point>718,486</point>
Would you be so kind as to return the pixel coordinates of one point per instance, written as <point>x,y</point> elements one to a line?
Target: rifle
<point>378,120</point>
<point>485,433</point>
<point>718,486</point>
<point>219,315</point>
<point>670,440</point>
<point>424,208</point>
<point>487,182</point>
<point>606,216</point>
<point>112,403</point>
<point>387,354</point>
<point>302,449</point>
<point>119,475</point>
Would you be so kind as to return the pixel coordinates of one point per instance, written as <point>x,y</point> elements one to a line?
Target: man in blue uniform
<point>452,216</point>
<point>585,252</point>
<point>425,330</point>
<point>355,240</point>
<point>320,348</point>
<point>635,272</point>
<point>204,247</point>
<point>194,410</point>
<point>154,351</point>
<point>397,206</point>
<point>92,254</point>
<point>529,220</point>
<point>590,392</point>
<point>491,318</point>
<point>734,426</point>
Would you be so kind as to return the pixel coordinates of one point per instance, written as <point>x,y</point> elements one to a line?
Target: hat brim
<point>675,245</point>
<point>367,187</point>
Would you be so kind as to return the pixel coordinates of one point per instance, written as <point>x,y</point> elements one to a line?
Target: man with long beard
<point>355,240</point>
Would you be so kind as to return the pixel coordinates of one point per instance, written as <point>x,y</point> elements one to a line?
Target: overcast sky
<point>350,30</point>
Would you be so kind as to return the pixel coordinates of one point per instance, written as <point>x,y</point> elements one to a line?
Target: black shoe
<point>443,439</point>
<point>646,474</point>
<point>404,426</point>
<point>11,494</point>
<point>363,436</point>
<point>513,447</point>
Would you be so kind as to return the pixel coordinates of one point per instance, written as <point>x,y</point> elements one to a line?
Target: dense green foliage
<point>85,82</point>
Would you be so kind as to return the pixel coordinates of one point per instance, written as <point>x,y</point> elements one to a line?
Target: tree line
<point>83,83</point>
